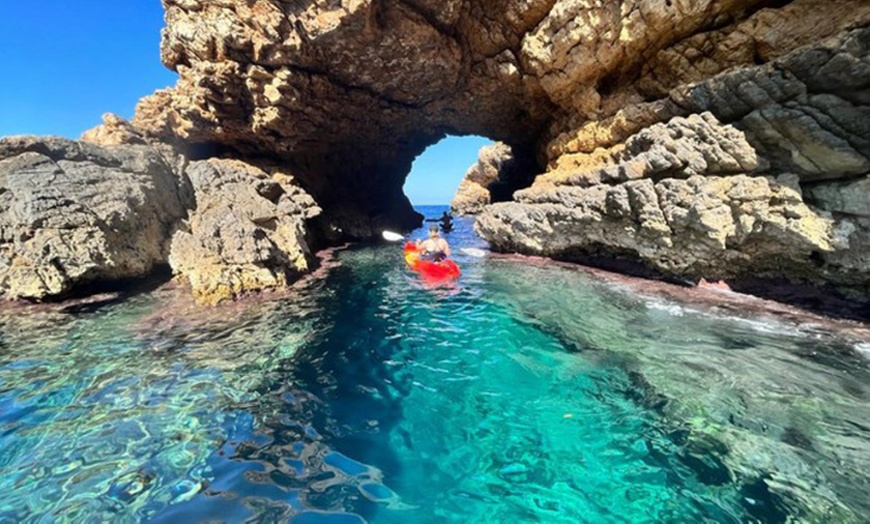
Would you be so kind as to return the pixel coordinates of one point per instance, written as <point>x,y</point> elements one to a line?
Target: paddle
<point>389,236</point>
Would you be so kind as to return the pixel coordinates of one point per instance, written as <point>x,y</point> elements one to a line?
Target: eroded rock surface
<point>683,194</point>
<point>112,132</point>
<point>678,196</point>
<point>493,178</point>
<point>73,213</point>
<point>246,233</point>
<point>749,109</point>
<point>348,93</point>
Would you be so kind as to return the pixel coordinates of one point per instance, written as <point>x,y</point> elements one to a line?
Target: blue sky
<point>66,62</point>
<point>437,172</point>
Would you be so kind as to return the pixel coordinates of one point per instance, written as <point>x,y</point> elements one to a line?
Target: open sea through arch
<point>527,391</point>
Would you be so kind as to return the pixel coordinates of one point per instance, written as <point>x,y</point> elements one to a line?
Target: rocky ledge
<point>247,231</point>
<point>700,138</point>
<point>74,214</point>
<point>765,176</point>
<point>495,176</point>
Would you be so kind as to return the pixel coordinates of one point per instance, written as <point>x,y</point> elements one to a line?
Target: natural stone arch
<point>351,91</point>
<point>658,126</point>
<point>348,93</point>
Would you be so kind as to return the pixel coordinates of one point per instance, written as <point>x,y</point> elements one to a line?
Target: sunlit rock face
<point>246,233</point>
<point>498,172</point>
<point>72,214</point>
<point>740,174</point>
<point>348,93</point>
<point>694,136</point>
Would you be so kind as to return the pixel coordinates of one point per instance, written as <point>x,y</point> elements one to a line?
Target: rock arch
<point>348,92</point>
<point>711,138</point>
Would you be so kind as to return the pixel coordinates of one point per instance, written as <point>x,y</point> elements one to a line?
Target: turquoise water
<point>523,393</point>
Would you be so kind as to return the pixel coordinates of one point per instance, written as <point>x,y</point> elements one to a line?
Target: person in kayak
<point>446,221</point>
<point>434,248</point>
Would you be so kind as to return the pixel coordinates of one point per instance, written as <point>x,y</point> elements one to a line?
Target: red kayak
<point>430,271</point>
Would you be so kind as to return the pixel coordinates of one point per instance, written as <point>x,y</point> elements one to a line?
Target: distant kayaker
<point>434,248</point>
<point>446,221</point>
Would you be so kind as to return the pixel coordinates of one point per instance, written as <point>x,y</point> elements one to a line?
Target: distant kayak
<point>430,271</point>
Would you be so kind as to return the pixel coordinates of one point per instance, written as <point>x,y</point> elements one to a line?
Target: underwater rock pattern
<point>769,432</point>
<point>73,213</point>
<point>247,232</point>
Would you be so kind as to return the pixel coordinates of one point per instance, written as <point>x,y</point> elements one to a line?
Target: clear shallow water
<point>525,393</point>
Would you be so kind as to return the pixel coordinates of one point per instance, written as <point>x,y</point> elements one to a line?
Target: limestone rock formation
<point>113,131</point>
<point>676,196</point>
<point>73,213</point>
<point>493,178</point>
<point>346,94</point>
<point>850,197</point>
<point>800,120</point>
<point>606,97</point>
<point>246,233</point>
<point>473,192</point>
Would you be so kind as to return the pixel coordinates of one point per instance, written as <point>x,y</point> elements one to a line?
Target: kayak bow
<point>430,271</point>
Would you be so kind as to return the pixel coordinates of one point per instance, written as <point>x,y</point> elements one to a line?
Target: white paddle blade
<point>473,252</point>
<point>392,237</point>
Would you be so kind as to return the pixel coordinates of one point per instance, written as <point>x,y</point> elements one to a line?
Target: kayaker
<point>446,221</point>
<point>434,248</point>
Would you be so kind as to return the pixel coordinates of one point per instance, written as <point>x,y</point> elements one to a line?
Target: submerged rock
<point>73,213</point>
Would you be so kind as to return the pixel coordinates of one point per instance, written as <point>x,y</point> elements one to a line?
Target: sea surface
<point>525,392</point>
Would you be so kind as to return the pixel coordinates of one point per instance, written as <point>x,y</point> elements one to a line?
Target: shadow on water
<point>825,300</point>
<point>323,413</point>
<point>346,370</point>
<point>104,293</point>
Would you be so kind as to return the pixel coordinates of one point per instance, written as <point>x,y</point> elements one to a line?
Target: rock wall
<point>73,213</point>
<point>608,94</point>
<point>348,93</point>
<point>686,195</point>
<point>246,233</point>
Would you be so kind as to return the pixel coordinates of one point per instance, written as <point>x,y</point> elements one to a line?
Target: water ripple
<point>525,392</point>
